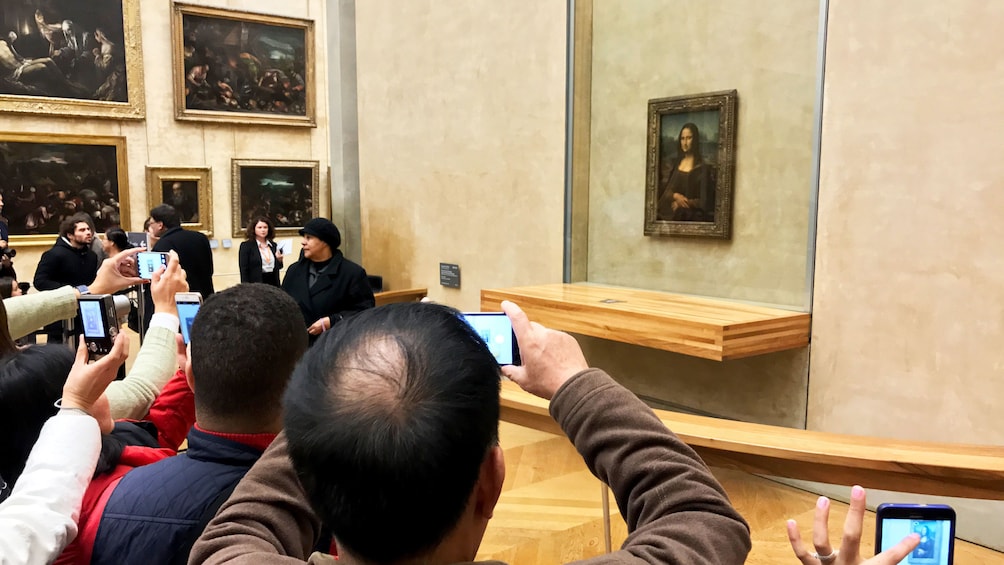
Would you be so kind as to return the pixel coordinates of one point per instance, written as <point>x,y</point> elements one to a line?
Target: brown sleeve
<point>266,520</point>
<point>676,511</point>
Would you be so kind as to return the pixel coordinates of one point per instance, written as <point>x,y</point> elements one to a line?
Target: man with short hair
<point>71,261</point>
<point>245,342</point>
<point>392,436</point>
<point>192,247</point>
<point>196,256</point>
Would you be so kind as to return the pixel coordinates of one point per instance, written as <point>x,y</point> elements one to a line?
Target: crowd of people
<point>324,428</point>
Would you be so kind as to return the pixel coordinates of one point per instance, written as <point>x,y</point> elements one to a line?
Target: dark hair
<point>389,417</point>
<point>249,232</point>
<point>119,238</point>
<point>167,214</point>
<point>6,290</point>
<point>30,382</point>
<point>695,144</point>
<point>69,225</point>
<point>240,375</point>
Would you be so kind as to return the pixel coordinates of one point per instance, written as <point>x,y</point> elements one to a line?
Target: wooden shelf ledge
<point>941,469</point>
<point>691,325</point>
<point>403,295</point>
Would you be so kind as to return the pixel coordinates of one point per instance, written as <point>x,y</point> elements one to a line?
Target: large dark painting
<point>188,189</point>
<point>286,192</point>
<point>70,57</point>
<point>243,67</point>
<point>45,178</point>
<point>691,156</point>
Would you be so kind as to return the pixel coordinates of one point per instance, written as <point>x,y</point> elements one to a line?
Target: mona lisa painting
<point>690,165</point>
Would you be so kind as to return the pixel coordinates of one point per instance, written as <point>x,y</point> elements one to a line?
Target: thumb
<point>81,351</point>
<point>515,373</point>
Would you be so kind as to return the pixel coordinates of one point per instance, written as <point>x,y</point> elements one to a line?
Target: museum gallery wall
<point>123,105</point>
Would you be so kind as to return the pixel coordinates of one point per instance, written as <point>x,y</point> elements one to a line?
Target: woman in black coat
<point>259,257</point>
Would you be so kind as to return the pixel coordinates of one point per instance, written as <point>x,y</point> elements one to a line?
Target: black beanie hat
<point>323,229</point>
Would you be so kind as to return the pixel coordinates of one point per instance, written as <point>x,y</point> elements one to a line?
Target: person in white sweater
<point>39,517</point>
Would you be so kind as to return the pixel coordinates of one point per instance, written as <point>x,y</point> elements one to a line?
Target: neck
<point>224,426</point>
<point>261,239</point>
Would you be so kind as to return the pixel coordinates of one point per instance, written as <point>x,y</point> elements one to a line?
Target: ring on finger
<point>824,559</point>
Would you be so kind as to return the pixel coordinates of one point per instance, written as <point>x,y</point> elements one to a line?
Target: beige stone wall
<point>646,49</point>
<point>461,142</point>
<point>909,283</point>
<point>160,140</point>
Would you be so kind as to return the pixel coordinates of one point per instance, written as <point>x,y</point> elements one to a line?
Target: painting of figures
<point>286,192</point>
<point>70,55</point>
<point>243,67</point>
<point>46,178</point>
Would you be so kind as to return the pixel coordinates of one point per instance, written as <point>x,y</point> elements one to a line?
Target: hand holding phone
<point>495,330</point>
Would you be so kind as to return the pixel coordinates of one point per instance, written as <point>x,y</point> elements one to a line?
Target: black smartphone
<point>101,324</point>
<point>934,523</point>
<point>147,263</point>
<point>188,306</point>
<point>496,331</point>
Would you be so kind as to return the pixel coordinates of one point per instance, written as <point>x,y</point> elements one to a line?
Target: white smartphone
<point>188,306</point>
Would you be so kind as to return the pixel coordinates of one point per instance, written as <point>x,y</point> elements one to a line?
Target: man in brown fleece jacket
<point>392,428</point>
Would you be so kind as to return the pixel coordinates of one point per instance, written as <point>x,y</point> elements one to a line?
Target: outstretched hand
<point>850,544</point>
<point>166,282</point>
<point>549,357</point>
<point>85,386</point>
<point>117,273</point>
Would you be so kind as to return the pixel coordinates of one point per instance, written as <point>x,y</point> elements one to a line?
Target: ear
<point>188,368</point>
<point>490,481</point>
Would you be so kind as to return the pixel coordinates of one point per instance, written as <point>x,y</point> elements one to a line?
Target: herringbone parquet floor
<point>551,510</point>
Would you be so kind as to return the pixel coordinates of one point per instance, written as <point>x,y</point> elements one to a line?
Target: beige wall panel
<point>648,49</point>
<point>909,287</point>
<point>767,389</point>
<point>461,142</point>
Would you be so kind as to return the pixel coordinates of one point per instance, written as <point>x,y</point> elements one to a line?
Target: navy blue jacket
<point>151,514</point>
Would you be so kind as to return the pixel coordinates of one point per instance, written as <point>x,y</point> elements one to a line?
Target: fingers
<point>795,538</point>
<point>81,352</point>
<point>850,545</point>
<point>820,523</point>
<point>896,553</point>
<point>520,322</point>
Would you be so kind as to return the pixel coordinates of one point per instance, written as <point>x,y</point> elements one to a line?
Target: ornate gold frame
<point>179,11</point>
<point>134,109</point>
<point>155,177</point>
<point>725,103</point>
<point>121,165</point>
<point>235,192</point>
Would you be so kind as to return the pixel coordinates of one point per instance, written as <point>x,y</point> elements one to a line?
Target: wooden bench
<point>403,295</point>
<point>943,469</point>
<point>691,325</point>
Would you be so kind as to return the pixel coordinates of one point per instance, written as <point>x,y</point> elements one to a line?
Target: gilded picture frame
<point>45,178</point>
<point>188,189</point>
<point>286,192</point>
<point>72,58</point>
<point>690,165</point>
<point>242,67</point>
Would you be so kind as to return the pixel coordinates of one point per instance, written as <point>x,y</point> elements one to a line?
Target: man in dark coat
<point>70,262</point>
<point>192,247</point>
<point>325,284</point>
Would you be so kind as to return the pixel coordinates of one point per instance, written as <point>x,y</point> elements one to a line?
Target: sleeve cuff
<point>165,320</point>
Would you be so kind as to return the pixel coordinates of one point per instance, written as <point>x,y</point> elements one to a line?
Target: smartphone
<point>101,325</point>
<point>496,331</point>
<point>935,523</point>
<point>188,306</point>
<point>147,263</point>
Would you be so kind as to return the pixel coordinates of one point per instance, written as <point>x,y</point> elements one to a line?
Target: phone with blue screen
<point>188,306</point>
<point>495,330</point>
<point>934,523</point>
<point>147,263</point>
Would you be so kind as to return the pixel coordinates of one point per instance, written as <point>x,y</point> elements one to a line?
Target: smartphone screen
<point>90,316</point>
<point>148,262</point>
<point>496,331</point>
<point>935,524</point>
<point>187,309</point>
